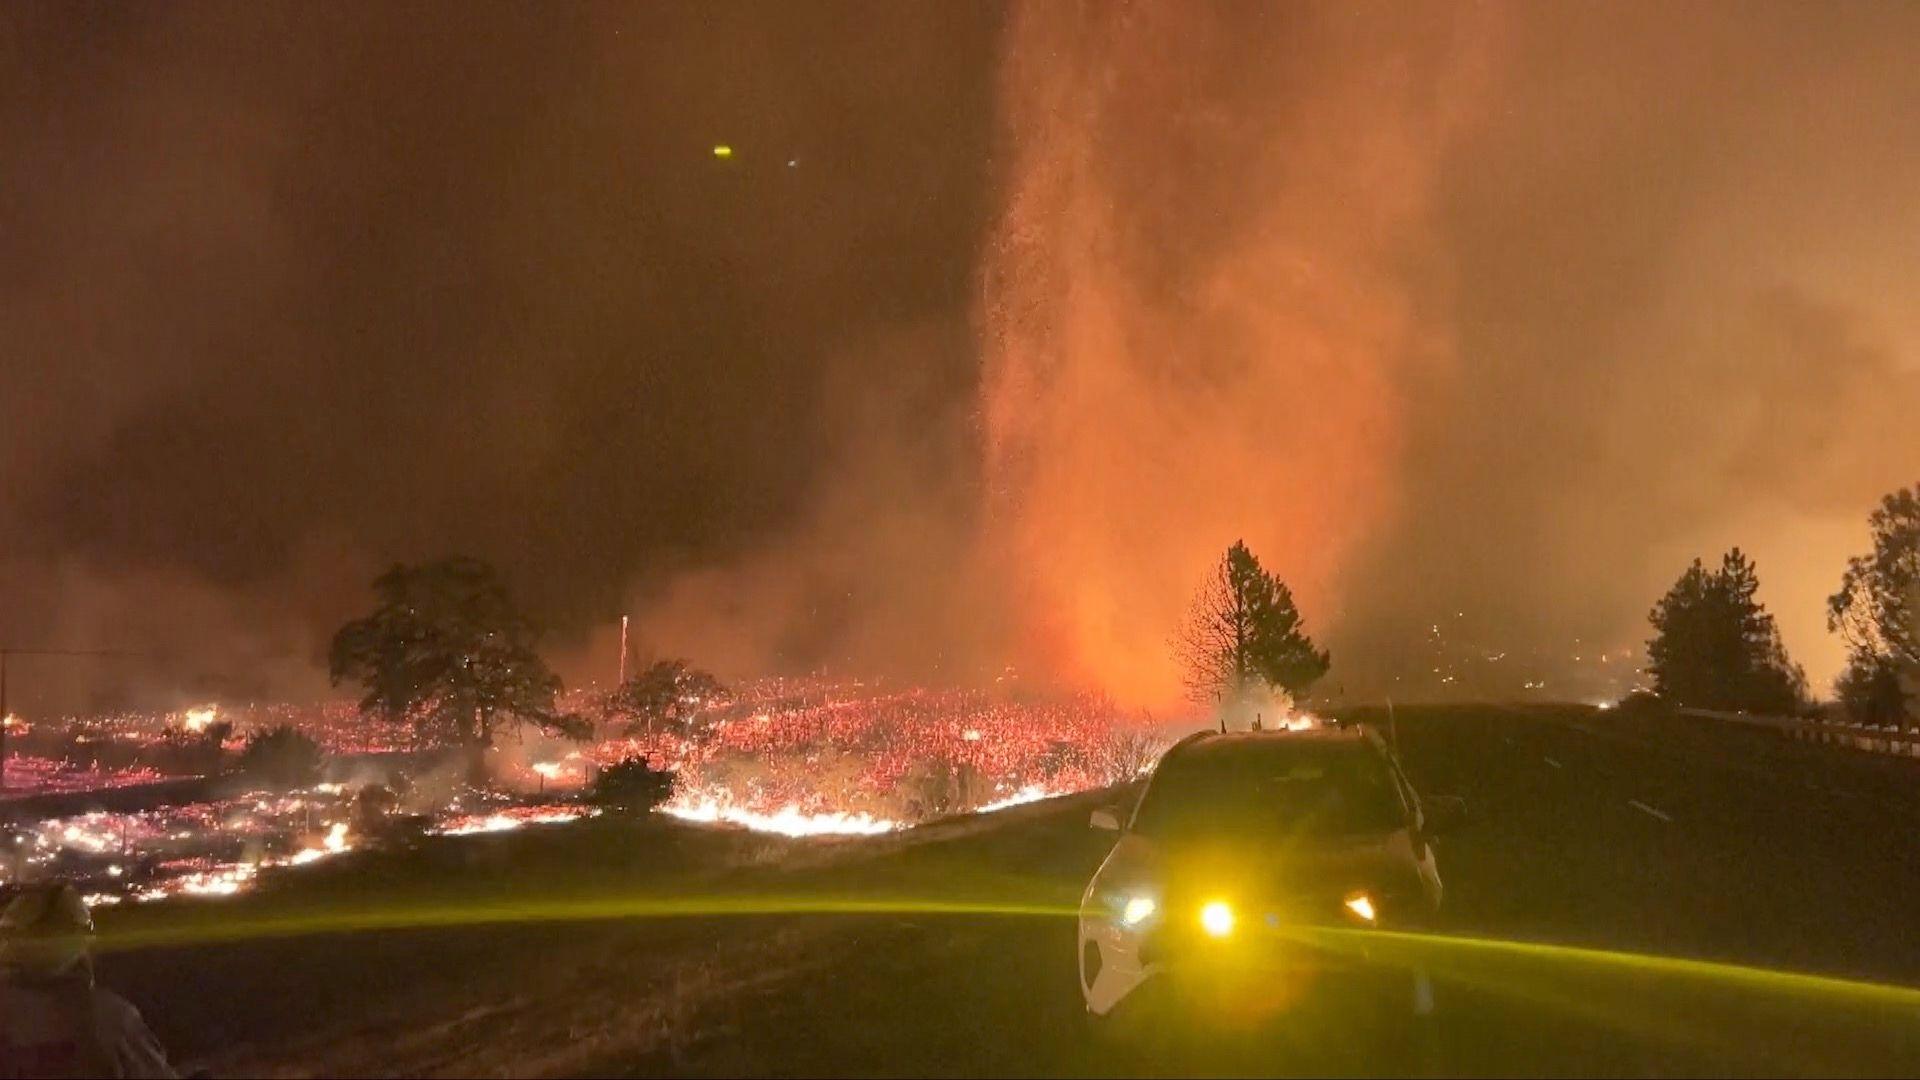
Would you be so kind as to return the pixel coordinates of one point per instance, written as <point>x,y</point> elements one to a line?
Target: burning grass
<point>796,757</point>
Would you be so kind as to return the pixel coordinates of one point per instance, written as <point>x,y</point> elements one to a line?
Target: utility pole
<point>623,655</point>
<point>6,716</point>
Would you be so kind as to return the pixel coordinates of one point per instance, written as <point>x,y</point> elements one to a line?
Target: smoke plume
<point>1477,322</point>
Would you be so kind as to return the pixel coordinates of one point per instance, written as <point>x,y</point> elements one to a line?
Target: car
<point>1255,864</point>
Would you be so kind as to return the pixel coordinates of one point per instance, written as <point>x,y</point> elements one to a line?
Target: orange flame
<point>1194,327</point>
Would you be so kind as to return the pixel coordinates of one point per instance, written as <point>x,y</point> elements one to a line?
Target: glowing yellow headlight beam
<point>1605,986</point>
<point>1444,951</point>
<point>1623,990</point>
<point>216,922</point>
<point>723,151</point>
<point>211,924</point>
<point>1216,918</point>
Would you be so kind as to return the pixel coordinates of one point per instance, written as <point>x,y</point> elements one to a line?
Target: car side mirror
<point>1105,818</point>
<point>1443,814</point>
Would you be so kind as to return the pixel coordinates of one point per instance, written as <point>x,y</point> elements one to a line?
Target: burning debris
<point>797,757</point>
<point>788,820</point>
<point>198,720</point>
<point>508,819</point>
<point>213,848</point>
<point>218,848</point>
<point>32,774</point>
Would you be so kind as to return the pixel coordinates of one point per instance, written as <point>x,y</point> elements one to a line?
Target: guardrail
<point>1874,738</point>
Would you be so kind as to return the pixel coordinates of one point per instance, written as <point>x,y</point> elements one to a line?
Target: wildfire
<point>36,775</point>
<point>1030,793</point>
<point>810,757</point>
<point>509,819</point>
<point>226,881</point>
<point>787,820</point>
<point>334,844</point>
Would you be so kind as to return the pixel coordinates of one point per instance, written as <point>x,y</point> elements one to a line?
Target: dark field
<point>653,948</point>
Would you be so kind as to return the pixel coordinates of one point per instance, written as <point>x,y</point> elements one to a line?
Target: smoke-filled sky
<point>1477,322</point>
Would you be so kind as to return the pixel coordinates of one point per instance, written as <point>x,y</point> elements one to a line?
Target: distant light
<point>1138,910</point>
<point>1217,919</point>
<point>723,151</point>
<point>1362,905</point>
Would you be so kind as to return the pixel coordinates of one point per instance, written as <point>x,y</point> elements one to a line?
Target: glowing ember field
<point>219,847</point>
<point>798,757</point>
<point>869,757</point>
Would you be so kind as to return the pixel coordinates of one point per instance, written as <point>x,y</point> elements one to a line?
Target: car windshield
<point>1285,788</point>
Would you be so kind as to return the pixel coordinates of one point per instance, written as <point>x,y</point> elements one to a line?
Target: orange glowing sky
<point>994,326</point>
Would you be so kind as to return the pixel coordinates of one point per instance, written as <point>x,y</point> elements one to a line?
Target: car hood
<point>1281,868</point>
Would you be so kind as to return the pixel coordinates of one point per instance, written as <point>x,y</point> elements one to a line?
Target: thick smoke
<point>293,294</point>
<point>886,574</point>
<point>1476,322</point>
<point>1673,243</point>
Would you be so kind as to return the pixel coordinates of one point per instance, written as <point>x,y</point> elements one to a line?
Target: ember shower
<point>1194,330</point>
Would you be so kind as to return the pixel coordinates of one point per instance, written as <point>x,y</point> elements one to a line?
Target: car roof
<point>1217,743</point>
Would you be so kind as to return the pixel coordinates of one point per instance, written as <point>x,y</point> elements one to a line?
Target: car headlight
<point>1138,909</point>
<point>1361,905</point>
<point>1216,918</point>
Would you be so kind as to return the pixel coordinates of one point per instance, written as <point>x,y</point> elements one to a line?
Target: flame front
<point>787,820</point>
